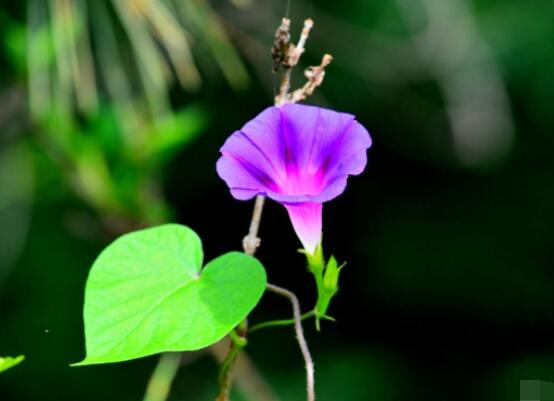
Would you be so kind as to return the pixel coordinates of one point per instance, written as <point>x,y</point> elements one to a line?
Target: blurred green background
<point>111,116</point>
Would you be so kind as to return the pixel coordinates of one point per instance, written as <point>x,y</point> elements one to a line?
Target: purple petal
<point>242,184</point>
<point>315,132</point>
<point>328,146</point>
<point>294,154</point>
<point>306,219</point>
<point>244,166</point>
<point>349,155</point>
<point>265,130</point>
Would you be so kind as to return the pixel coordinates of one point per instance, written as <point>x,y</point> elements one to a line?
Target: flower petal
<point>313,131</point>
<point>265,131</point>
<point>306,219</point>
<point>294,154</point>
<point>330,146</point>
<point>242,184</point>
<point>349,155</point>
<point>244,165</point>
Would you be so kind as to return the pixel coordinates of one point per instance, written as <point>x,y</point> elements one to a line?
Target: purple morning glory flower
<point>297,155</point>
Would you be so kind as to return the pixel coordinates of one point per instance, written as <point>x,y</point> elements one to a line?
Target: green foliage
<point>146,293</point>
<point>117,173</point>
<point>8,362</point>
<point>172,133</point>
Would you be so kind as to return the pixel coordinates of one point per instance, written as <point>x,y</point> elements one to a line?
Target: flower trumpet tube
<point>299,156</point>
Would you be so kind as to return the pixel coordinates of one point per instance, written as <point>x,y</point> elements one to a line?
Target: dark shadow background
<point>448,233</point>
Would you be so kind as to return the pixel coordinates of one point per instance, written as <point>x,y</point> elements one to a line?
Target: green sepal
<point>331,276</point>
<point>329,287</point>
<point>316,261</point>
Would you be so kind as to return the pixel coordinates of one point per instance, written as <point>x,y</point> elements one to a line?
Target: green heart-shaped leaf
<point>8,362</point>
<point>146,294</point>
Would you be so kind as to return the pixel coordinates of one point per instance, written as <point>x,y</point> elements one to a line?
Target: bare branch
<point>251,242</point>
<point>281,44</point>
<point>315,77</point>
<point>295,52</point>
<point>288,57</point>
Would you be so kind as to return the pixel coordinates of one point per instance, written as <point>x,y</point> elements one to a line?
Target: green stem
<point>228,364</point>
<point>282,322</point>
<point>162,377</point>
<point>238,342</point>
<point>319,285</point>
<point>238,339</point>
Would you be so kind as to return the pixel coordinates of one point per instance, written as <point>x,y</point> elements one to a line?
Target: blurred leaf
<point>146,294</point>
<point>14,41</point>
<point>173,132</point>
<point>498,19</point>
<point>208,25</point>
<point>93,178</point>
<point>40,55</point>
<point>171,35</point>
<point>103,126</point>
<point>153,68</point>
<point>9,362</point>
<point>16,195</point>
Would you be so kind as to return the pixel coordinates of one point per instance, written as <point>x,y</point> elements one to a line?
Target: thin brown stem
<point>226,376</point>
<point>280,322</point>
<point>315,77</point>
<point>249,380</point>
<point>310,380</point>
<point>296,52</point>
<point>289,58</point>
<point>251,242</point>
<point>287,55</point>
<point>284,87</point>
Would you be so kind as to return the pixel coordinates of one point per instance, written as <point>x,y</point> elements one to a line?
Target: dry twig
<point>286,55</point>
<point>315,77</point>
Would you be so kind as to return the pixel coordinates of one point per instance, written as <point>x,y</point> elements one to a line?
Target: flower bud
<point>328,287</point>
<point>331,276</point>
